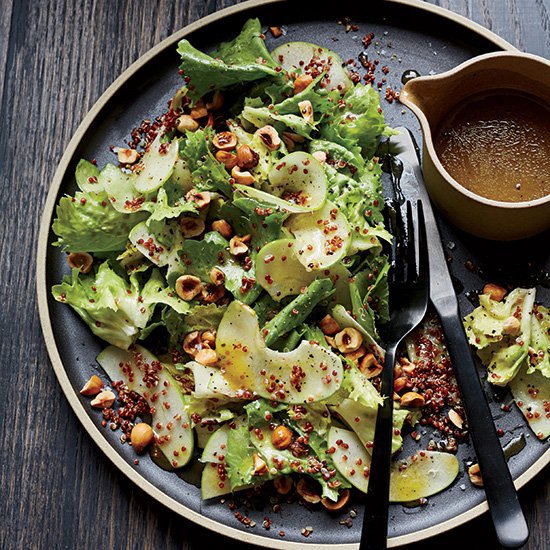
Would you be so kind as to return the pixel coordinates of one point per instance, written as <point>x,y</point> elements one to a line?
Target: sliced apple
<point>157,165</point>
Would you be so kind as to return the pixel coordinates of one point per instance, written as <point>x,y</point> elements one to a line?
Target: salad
<point>233,262</point>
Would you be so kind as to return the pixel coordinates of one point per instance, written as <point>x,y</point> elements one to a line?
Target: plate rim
<point>71,393</point>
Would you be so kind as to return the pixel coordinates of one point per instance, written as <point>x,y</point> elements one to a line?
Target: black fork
<point>409,296</point>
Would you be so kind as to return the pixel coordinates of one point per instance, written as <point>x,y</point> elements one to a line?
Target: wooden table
<point>57,488</point>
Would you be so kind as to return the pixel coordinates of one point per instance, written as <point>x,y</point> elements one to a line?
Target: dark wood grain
<point>56,58</point>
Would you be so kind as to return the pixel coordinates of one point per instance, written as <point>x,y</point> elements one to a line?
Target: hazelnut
<point>244,178</point>
<point>321,156</point>
<point>216,103</point>
<point>328,325</point>
<point>399,384</point>
<point>141,437</point>
<point>306,490</point>
<point>206,356</point>
<point>192,343</point>
<point>369,366</point>
<point>188,286</point>
<point>223,228</point>
<point>217,276</point>
<point>406,366</point>
<point>270,137</point>
<point>296,138</point>
<point>127,156</point>
<point>511,326</point>
<point>283,484</point>
<point>412,399</point>
<point>201,199</point>
<point>343,498</point>
<point>495,292</point>
<point>225,141</point>
<point>330,341</point>
<point>456,419</point>
<point>198,110</point>
<point>260,466</point>
<point>276,31</point>
<point>208,338</point>
<point>93,386</point>
<point>247,158</point>
<point>80,260</point>
<point>474,474</point>
<point>290,145</point>
<point>356,355</point>
<point>239,245</point>
<point>186,124</point>
<point>103,400</point>
<point>302,82</point>
<point>191,227</point>
<point>281,437</point>
<point>229,160</point>
<point>347,340</point>
<point>306,109</point>
<point>212,293</point>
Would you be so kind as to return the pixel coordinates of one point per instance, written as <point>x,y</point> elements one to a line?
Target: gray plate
<point>408,38</point>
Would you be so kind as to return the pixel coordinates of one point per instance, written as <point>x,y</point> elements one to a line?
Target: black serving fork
<point>409,297</point>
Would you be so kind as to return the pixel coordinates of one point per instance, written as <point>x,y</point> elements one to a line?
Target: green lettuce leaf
<point>88,223</point>
<point>110,305</point>
<point>540,341</point>
<point>87,177</point>
<point>238,458</point>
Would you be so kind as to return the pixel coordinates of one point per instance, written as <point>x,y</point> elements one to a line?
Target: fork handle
<point>375,520</point>
<point>508,519</point>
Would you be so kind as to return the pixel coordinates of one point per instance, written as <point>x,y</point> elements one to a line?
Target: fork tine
<point>423,259</point>
<point>411,246</point>
<point>400,246</point>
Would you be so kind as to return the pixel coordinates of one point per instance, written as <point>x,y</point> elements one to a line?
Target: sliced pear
<point>209,382</point>
<point>158,164</point>
<point>294,56</point>
<point>152,245</point>
<point>296,184</point>
<point>280,273</point>
<point>322,237</point>
<point>138,369</point>
<point>251,368</point>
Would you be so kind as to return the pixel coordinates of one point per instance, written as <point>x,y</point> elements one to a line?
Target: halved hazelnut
<point>306,490</point>
<point>206,356</point>
<point>187,124</point>
<point>276,31</point>
<point>208,338</point>
<point>192,343</point>
<point>247,158</point>
<point>269,136</point>
<point>296,138</point>
<point>127,156</point>
<point>80,260</point>
<point>348,340</point>
<point>216,103</point>
<point>141,437</point>
<point>343,498</point>
<point>281,437</point>
<point>223,228</point>
<point>301,83</point>
<point>103,400</point>
<point>229,160</point>
<point>369,366</point>
<point>511,326</point>
<point>495,292</point>
<point>283,484</point>
<point>328,325</point>
<point>474,474</point>
<point>306,109</point>
<point>225,141</point>
<point>321,156</point>
<point>260,466</point>
<point>399,384</point>
<point>290,145</point>
<point>412,399</point>
<point>201,199</point>
<point>212,293</point>
<point>456,419</point>
<point>188,286</point>
<point>198,110</point>
<point>244,178</point>
<point>356,355</point>
<point>93,386</point>
<point>191,227</point>
<point>217,276</point>
<point>238,245</point>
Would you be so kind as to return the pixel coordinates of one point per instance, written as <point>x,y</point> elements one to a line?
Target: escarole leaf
<point>245,59</point>
<point>89,223</point>
<point>109,304</point>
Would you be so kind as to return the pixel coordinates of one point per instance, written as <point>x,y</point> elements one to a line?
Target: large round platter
<point>410,35</point>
